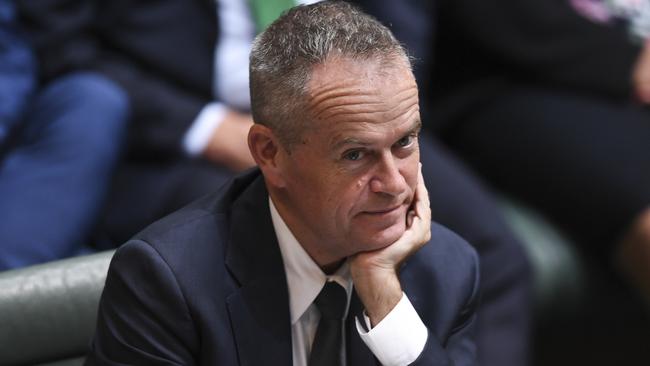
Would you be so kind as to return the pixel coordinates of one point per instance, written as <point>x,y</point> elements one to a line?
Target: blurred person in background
<point>161,54</point>
<point>59,141</point>
<point>188,121</point>
<point>568,124</point>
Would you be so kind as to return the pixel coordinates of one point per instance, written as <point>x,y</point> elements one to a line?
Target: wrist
<point>379,291</point>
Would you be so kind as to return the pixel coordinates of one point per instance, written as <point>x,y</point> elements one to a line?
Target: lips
<point>383,211</point>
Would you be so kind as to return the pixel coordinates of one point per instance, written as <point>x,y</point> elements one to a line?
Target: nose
<point>387,178</point>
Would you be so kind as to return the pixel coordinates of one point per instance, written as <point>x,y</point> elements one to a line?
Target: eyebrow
<point>415,128</point>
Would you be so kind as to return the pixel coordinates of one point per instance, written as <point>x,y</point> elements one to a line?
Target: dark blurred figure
<point>548,101</point>
<point>59,142</point>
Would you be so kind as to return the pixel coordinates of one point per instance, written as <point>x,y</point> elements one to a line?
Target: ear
<point>268,154</point>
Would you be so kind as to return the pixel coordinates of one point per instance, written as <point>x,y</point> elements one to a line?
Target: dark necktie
<point>326,349</point>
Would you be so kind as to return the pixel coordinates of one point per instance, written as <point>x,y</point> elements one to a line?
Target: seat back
<point>48,311</point>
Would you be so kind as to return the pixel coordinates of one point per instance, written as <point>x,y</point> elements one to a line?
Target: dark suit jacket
<point>206,286</point>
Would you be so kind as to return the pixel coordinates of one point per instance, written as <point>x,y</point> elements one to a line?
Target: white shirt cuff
<point>198,135</point>
<point>399,338</point>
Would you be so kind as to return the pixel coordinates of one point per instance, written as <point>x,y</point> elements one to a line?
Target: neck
<point>307,239</point>
<point>329,269</point>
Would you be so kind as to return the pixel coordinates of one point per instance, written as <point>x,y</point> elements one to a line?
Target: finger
<point>409,218</point>
<point>422,204</point>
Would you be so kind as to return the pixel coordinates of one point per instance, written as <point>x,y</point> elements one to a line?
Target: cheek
<point>346,197</point>
<point>411,171</point>
<point>361,184</point>
<point>411,177</point>
<point>357,192</point>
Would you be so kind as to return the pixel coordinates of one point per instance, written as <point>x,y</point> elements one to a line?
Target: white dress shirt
<point>397,340</point>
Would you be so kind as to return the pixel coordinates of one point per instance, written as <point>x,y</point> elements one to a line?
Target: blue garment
<point>52,184</point>
<point>17,71</point>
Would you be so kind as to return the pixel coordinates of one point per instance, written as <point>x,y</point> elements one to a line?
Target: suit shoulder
<point>445,243</point>
<point>205,219</point>
<point>197,235</point>
<point>446,263</point>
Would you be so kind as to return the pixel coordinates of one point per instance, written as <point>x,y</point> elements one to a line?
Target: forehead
<point>363,76</point>
<point>346,94</point>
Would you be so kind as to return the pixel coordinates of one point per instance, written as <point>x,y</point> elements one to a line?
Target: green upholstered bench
<point>48,311</point>
<point>558,270</point>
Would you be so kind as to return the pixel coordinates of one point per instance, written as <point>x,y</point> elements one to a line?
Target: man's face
<point>350,180</point>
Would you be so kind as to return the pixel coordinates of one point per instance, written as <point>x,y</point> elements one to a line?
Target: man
<point>340,208</point>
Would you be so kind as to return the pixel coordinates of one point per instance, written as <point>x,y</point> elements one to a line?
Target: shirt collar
<point>304,278</point>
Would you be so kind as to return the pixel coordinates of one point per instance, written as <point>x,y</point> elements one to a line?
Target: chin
<point>380,239</point>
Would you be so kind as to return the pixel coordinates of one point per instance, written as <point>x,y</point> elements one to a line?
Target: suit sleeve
<point>459,348</point>
<point>143,318</point>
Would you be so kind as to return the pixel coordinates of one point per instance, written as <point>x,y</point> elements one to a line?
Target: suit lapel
<point>259,309</point>
<point>358,353</point>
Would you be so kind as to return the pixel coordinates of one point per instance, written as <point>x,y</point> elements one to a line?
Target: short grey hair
<point>284,55</point>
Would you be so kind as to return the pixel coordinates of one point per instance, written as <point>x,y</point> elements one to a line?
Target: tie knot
<point>332,301</point>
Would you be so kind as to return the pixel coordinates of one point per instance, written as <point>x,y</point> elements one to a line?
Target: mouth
<point>385,211</point>
<point>379,219</point>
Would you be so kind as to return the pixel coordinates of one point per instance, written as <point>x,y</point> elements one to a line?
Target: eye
<point>405,141</point>
<point>353,155</point>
